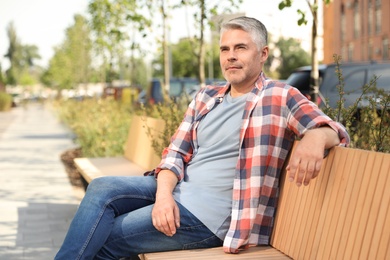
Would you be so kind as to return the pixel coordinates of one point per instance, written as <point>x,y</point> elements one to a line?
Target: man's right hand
<point>165,213</point>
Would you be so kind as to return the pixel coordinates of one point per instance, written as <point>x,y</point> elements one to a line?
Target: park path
<point>37,201</point>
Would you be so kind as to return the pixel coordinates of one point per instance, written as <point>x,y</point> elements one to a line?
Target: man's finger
<point>292,169</point>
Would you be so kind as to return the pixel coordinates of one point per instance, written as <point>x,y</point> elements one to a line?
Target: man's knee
<point>101,184</point>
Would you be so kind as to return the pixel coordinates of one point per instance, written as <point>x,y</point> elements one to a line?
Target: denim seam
<point>185,246</point>
<point>195,227</point>
<point>100,216</point>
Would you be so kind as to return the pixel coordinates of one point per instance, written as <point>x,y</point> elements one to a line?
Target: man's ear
<point>264,53</point>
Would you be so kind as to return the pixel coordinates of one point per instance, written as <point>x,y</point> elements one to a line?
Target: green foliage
<point>101,126</point>
<point>302,20</point>
<point>5,101</point>
<point>26,79</point>
<point>292,56</point>
<point>204,12</point>
<point>373,129</point>
<point>71,63</point>
<point>116,24</point>
<point>172,114</point>
<point>368,126</point>
<point>183,64</point>
<point>184,61</point>
<point>21,58</point>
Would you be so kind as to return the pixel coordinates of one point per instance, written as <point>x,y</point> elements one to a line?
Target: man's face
<point>241,61</point>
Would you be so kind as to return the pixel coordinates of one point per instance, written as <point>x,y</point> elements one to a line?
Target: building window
<point>370,50</point>
<point>350,52</point>
<point>385,49</point>
<point>356,20</point>
<point>343,24</point>
<point>378,16</point>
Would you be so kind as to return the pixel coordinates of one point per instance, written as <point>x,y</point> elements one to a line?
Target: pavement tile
<point>37,201</point>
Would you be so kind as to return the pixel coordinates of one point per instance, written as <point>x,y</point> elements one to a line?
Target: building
<point>357,30</point>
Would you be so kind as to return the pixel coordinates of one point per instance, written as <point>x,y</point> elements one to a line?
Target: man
<point>217,182</point>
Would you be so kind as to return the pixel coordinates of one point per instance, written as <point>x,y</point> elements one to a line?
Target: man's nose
<point>232,56</point>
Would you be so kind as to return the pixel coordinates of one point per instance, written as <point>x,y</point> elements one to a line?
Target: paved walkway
<point>37,201</point>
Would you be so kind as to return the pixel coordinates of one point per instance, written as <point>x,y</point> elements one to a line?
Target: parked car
<point>355,75</point>
<point>178,88</point>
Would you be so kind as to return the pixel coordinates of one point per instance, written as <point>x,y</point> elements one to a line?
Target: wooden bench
<point>343,214</point>
<point>138,157</point>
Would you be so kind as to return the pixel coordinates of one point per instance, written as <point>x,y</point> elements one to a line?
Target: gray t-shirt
<point>206,190</point>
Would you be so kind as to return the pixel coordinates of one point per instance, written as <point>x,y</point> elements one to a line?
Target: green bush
<point>101,126</point>
<point>5,101</point>
<point>172,113</point>
<point>368,126</point>
<point>372,131</point>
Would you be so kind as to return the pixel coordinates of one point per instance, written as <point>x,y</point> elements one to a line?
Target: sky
<point>43,22</point>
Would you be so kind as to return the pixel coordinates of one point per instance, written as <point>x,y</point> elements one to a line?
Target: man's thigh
<point>133,233</point>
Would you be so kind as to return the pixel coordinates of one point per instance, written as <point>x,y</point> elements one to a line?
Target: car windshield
<point>300,80</point>
<point>383,78</point>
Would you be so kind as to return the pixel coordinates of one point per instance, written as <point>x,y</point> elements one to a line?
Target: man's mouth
<point>233,68</point>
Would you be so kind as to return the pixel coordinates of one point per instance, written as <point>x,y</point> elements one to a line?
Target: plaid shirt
<point>275,114</point>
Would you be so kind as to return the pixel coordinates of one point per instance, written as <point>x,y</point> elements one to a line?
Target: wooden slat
<point>348,179</point>
<point>138,147</point>
<point>319,194</point>
<point>354,185</point>
<point>380,242</point>
<point>331,205</point>
<point>377,200</point>
<point>359,210</point>
<point>260,252</point>
<point>343,214</point>
<point>366,209</point>
<point>91,168</point>
<point>298,213</point>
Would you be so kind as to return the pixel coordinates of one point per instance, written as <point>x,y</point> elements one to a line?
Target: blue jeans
<point>114,221</point>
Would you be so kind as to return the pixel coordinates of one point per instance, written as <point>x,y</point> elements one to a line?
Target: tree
<point>14,46</point>
<point>291,56</point>
<point>21,58</point>
<point>205,11</point>
<point>183,60</point>
<point>111,23</point>
<point>313,6</point>
<point>71,63</point>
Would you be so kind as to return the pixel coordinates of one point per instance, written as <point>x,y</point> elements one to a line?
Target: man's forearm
<point>166,182</point>
<point>329,136</point>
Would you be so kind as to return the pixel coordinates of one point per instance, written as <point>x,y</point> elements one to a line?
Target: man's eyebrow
<point>235,45</point>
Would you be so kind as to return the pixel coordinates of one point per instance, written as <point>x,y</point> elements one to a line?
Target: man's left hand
<point>306,160</point>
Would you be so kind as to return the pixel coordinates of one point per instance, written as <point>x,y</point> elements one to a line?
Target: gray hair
<point>250,25</point>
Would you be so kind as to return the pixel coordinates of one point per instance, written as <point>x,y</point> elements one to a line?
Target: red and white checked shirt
<point>275,114</point>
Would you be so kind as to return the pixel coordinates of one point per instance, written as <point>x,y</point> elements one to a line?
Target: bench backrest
<point>343,214</point>
<point>138,148</point>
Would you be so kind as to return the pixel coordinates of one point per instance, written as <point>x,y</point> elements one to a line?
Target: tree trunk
<point>314,82</point>
<point>165,49</point>
<point>202,79</point>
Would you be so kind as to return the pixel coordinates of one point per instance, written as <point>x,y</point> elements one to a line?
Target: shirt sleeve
<point>304,115</point>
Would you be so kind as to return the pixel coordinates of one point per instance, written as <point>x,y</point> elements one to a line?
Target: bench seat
<point>343,214</point>
<point>139,155</point>
<point>216,253</point>
<point>91,168</point>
